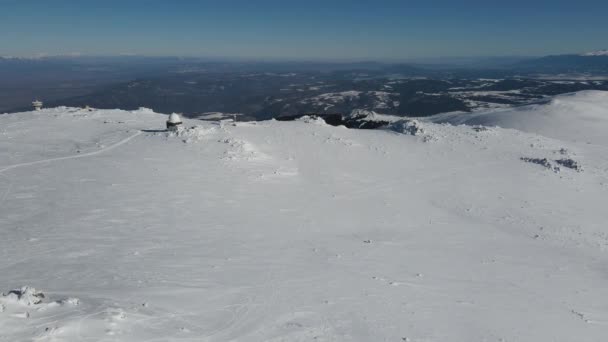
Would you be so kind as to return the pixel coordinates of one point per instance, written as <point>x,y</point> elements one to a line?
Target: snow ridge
<point>596,53</point>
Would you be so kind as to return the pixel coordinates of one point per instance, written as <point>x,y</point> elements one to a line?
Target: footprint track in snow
<point>77,156</point>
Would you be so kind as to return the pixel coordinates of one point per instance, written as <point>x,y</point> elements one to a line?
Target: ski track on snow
<point>83,155</point>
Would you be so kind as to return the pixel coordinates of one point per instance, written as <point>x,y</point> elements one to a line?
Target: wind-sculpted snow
<point>113,230</point>
<point>580,117</point>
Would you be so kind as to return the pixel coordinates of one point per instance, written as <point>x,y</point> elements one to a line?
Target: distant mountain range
<point>591,62</point>
<point>263,89</point>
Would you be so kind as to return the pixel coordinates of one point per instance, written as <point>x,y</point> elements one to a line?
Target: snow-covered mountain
<point>300,231</point>
<point>581,117</point>
<point>596,53</point>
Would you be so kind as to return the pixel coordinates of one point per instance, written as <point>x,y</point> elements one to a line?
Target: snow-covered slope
<point>581,117</point>
<point>297,231</point>
<point>596,53</point>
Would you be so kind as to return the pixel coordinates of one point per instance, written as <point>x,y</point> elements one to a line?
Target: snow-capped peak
<point>596,53</point>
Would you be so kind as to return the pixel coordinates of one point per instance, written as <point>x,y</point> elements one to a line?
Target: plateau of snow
<point>114,230</point>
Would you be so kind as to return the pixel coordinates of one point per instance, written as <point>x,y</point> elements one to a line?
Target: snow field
<point>299,231</point>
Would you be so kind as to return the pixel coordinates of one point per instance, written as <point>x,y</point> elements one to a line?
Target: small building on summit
<point>173,122</point>
<point>37,105</point>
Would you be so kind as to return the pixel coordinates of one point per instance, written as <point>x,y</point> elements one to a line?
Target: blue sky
<point>314,29</point>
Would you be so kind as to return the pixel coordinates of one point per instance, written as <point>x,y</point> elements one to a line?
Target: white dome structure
<point>173,122</point>
<point>174,118</point>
